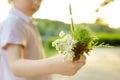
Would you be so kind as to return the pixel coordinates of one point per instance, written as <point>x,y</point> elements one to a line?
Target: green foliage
<point>49,28</point>
<point>49,43</point>
<point>109,38</point>
<point>50,52</point>
<point>83,35</point>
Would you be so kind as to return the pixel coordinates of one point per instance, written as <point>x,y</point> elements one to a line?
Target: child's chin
<point>33,12</point>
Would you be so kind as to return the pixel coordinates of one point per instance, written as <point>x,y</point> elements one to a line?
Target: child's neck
<point>25,12</point>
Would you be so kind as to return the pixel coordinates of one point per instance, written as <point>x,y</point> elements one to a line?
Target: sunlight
<point>111,14</point>
<point>83,11</point>
<point>4,9</point>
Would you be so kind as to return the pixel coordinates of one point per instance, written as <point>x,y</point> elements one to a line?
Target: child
<point>21,47</point>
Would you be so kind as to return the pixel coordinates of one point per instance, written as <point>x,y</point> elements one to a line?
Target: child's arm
<point>34,68</point>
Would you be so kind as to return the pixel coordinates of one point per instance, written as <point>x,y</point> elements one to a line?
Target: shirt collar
<point>20,14</point>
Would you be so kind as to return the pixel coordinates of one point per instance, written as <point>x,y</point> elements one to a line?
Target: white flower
<point>61,34</point>
<point>64,46</point>
<point>68,37</point>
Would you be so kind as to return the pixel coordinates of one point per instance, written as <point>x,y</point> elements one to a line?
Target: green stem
<point>72,22</point>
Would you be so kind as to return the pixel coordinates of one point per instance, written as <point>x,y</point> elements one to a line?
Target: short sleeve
<point>13,32</point>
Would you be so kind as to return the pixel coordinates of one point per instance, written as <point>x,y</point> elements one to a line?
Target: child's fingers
<point>81,62</point>
<point>82,59</point>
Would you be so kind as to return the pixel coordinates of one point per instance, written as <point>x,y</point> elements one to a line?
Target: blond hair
<point>10,1</point>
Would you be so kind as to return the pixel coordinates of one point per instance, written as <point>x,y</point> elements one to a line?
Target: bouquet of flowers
<point>80,40</point>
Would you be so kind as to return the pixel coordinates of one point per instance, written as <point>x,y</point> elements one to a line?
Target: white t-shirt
<point>17,30</point>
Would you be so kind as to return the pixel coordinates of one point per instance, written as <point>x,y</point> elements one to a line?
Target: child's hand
<point>68,67</point>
